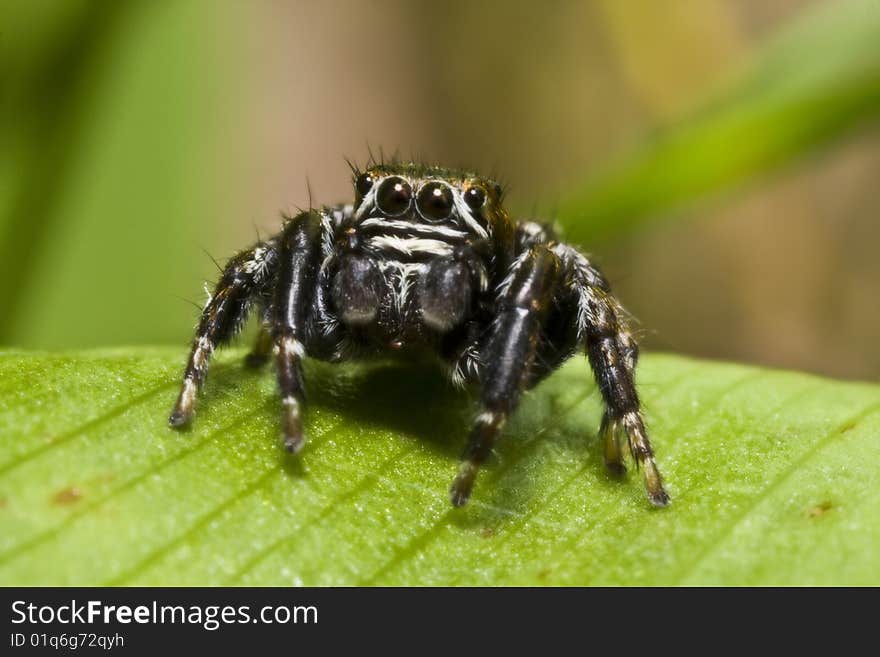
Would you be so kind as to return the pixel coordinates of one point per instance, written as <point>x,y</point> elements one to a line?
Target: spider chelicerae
<point>427,258</point>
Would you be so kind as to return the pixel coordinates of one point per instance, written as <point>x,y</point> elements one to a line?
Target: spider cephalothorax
<point>427,259</point>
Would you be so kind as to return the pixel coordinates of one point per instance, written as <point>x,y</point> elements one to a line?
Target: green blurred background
<point>719,158</point>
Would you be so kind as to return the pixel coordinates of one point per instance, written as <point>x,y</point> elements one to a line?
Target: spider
<point>428,259</point>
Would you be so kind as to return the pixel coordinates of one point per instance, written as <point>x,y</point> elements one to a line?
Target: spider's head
<point>432,195</point>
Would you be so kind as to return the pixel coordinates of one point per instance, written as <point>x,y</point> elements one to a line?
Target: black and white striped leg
<point>298,262</point>
<point>290,383</point>
<point>508,353</point>
<point>611,431</point>
<point>221,319</point>
<point>612,353</point>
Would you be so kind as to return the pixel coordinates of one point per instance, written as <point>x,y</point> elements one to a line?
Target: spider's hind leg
<point>221,319</point>
<point>623,416</point>
<point>613,429</point>
<point>613,353</point>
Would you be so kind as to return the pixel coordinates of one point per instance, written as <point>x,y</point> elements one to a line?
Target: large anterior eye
<point>393,196</point>
<point>435,201</point>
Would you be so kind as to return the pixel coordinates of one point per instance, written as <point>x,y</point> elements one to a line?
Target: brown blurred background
<point>228,108</point>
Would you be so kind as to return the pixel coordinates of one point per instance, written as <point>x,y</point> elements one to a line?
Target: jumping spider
<point>428,258</point>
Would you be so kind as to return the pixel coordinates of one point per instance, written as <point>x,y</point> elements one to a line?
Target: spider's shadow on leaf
<point>410,399</point>
<point>415,400</point>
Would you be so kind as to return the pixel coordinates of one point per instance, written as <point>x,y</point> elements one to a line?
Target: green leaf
<point>812,84</point>
<point>773,477</point>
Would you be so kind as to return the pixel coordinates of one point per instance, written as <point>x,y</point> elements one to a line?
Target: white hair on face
<point>402,276</point>
<point>465,213</point>
<point>427,229</point>
<point>367,203</point>
<point>411,245</point>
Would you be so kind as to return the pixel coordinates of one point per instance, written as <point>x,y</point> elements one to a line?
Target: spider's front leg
<point>612,352</point>
<point>522,304</point>
<point>299,252</point>
<point>226,310</point>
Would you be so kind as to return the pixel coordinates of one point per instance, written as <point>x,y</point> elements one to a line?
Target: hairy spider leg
<point>299,254</point>
<point>612,353</point>
<point>612,358</point>
<point>222,317</point>
<point>523,301</point>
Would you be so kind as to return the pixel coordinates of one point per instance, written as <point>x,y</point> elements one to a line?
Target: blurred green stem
<point>816,82</point>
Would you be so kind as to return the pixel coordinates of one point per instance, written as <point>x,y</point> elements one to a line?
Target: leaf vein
<point>131,483</point>
<point>778,481</point>
<point>112,414</point>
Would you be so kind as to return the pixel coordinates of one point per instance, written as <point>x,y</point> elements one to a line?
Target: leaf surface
<point>773,478</point>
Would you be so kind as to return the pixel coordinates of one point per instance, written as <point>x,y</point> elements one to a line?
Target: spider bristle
<point>189,301</point>
<point>309,190</point>
<point>213,259</point>
<point>355,170</point>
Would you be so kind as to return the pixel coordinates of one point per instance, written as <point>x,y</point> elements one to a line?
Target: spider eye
<point>363,184</point>
<point>393,196</point>
<point>435,201</point>
<point>475,197</point>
